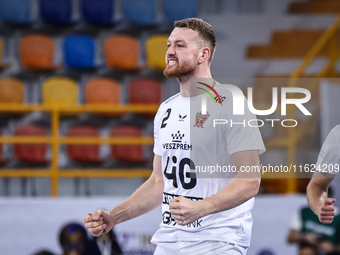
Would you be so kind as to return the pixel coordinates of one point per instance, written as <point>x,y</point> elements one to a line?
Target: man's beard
<point>184,69</point>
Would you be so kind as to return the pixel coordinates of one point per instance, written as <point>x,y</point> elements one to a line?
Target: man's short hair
<point>204,29</point>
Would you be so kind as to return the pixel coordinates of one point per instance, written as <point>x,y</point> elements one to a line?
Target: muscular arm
<point>317,196</point>
<point>144,199</point>
<point>240,189</point>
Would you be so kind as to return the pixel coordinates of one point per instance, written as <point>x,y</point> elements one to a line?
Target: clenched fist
<point>99,222</point>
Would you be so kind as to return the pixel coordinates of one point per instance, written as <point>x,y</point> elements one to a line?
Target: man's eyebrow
<point>178,40</point>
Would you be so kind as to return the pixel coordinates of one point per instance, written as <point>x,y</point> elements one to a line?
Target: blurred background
<point>80,83</point>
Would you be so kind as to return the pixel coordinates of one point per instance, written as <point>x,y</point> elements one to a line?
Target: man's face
<point>182,54</point>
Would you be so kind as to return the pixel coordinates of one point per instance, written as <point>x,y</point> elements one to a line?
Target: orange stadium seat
<point>31,153</point>
<point>156,47</point>
<point>121,52</point>
<point>11,90</point>
<point>83,153</point>
<point>145,90</point>
<point>60,91</point>
<point>102,90</point>
<point>127,153</point>
<point>37,52</point>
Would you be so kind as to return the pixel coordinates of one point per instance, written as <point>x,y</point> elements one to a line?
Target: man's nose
<point>170,50</point>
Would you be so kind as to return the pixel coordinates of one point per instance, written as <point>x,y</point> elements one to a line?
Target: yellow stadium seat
<point>11,90</point>
<point>60,91</point>
<point>156,47</point>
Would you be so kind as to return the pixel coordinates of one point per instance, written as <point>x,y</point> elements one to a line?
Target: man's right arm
<point>144,199</point>
<point>317,190</point>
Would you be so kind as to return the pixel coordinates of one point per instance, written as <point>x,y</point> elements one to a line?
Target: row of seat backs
<point>36,153</point>
<point>99,90</point>
<point>121,52</point>
<point>97,12</point>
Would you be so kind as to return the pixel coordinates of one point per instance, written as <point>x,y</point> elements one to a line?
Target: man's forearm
<point>317,190</point>
<point>235,193</point>
<point>144,199</point>
<point>316,196</point>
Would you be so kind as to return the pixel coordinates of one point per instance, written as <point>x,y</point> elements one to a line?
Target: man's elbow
<point>254,186</point>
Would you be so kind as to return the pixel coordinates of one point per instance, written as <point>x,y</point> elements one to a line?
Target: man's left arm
<point>240,189</point>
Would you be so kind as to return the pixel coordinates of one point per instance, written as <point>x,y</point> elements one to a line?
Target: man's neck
<point>185,83</point>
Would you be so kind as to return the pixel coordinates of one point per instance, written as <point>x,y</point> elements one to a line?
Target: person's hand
<point>184,211</point>
<point>99,222</point>
<point>326,246</point>
<point>310,238</point>
<point>327,213</point>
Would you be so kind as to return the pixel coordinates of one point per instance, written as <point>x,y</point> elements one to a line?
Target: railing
<point>295,135</point>
<point>54,172</point>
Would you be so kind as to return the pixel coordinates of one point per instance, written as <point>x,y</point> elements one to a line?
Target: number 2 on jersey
<point>173,176</point>
<point>166,118</point>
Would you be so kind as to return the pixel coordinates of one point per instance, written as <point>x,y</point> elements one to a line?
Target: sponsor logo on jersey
<point>208,92</point>
<point>181,118</point>
<point>221,97</point>
<point>177,143</point>
<point>200,119</point>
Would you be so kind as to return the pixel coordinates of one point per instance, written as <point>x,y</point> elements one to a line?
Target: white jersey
<point>329,156</point>
<point>185,138</point>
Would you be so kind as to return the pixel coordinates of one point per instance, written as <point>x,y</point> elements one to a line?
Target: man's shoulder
<point>171,99</point>
<point>166,104</point>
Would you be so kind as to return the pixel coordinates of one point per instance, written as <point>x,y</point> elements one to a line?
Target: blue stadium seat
<point>56,12</point>
<point>16,11</point>
<point>141,12</point>
<point>180,9</point>
<point>79,52</point>
<point>98,12</point>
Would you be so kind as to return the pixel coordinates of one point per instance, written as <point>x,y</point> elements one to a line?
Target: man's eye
<point>168,45</point>
<point>180,45</point>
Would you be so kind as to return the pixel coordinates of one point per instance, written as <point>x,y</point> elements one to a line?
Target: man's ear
<point>204,55</point>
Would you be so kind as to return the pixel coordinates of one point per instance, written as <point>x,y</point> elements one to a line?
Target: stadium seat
<point>179,9</point>
<point>145,90</point>
<point>11,90</point>
<point>3,65</point>
<point>79,52</point>
<point>102,90</point>
<point>98,12</point>
<point>140,12</point>
<point>37,52</point>
<point>31,153</point>
<point>60,91</point>
<point>56,12</point>
<point>156,47</point>
<point>16,11</point>
<point>121,52</point>
<point>83,153</point>
<point>127,153</point>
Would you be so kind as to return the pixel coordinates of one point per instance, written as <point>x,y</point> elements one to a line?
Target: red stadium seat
<point>31,153</point>
<point>145,91</point>
<point>83,153</point>
<point>127,153</point>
